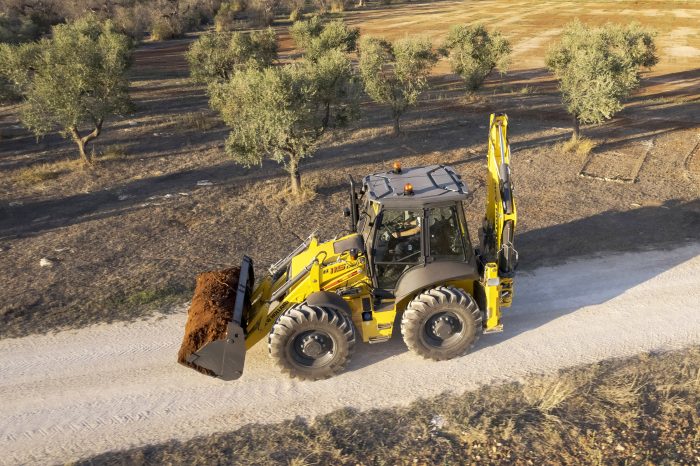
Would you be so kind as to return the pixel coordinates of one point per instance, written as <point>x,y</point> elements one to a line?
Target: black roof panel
<point>431,184</point>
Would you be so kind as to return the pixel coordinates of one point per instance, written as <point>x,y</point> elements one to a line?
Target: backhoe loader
<point>408,254</point>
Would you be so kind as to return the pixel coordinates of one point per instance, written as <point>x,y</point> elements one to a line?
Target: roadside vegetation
<point>641,410</point>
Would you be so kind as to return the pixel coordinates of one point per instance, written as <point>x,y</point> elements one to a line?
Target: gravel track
<point>78,393</point>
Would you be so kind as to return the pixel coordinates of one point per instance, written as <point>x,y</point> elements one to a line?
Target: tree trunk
<point>397,128</point>
<point>577,128</point>
<point>83,141</point>
<point>295,176</point>
<point>327,115</point>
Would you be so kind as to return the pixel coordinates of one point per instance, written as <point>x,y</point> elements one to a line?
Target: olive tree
<point>396,73</point>
<point>280,113</point>
<point>598,67</point>
<point>215,57</point>
<point>15,74</point>
<point>316,38</point>
<point>72,81</point>
<point>474,53</point>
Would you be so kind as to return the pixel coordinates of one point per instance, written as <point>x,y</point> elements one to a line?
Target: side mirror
<point>346,212</point>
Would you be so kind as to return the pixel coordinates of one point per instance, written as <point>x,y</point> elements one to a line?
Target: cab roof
<point>431,184</point>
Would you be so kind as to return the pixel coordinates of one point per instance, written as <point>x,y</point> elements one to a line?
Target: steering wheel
<point>387,234</point>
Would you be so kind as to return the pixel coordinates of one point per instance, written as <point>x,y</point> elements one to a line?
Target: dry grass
<point>39,173</point>
<point>547,394</point>
<point>115,152</point>
<point>641,410</point>
<point>579,146</point>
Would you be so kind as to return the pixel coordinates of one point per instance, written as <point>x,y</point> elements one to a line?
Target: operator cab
<point>413,226</point>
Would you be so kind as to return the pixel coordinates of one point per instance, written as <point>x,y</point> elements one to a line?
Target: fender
<point>328,299</point>
<point>419,278</point>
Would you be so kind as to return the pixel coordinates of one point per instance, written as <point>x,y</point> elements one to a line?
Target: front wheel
<point>312,342</point>
<point>441,323</point>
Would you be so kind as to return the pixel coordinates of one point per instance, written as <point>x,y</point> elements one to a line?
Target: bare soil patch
<point>615,165</point>
<point>164,202</point>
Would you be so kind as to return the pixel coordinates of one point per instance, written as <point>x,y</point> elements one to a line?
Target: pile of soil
<point>210,312</point>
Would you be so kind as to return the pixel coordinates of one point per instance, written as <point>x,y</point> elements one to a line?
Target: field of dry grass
<point>163,202</point>
<point>641,410</point>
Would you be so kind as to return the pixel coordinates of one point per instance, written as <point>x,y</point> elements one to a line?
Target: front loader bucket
<point>214,341</point>
<point>224,358</point>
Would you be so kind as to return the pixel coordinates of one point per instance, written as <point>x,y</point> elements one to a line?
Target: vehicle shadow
<point>546,290</point>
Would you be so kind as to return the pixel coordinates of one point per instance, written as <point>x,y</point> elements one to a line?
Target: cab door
<point>397,245</point>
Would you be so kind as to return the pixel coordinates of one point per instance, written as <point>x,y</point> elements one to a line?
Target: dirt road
<point>78,393</point>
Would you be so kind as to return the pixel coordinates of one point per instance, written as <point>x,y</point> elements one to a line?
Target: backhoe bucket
<point>214,341</point>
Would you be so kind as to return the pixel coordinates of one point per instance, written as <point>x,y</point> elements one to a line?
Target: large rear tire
<point>312,342</point>
<point>441,323</point>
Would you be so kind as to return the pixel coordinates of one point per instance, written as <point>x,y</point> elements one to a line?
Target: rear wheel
<point>441,323</point>
<point>312,342</point>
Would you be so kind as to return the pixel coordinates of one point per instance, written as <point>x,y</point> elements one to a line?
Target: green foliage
<point>316,38</point>
<point>281,112</point>
<point>215,57</point>
<point>396,73</point>
<point>295,15</point>
<point>338,6</point>
<point>262,12</point>
<point>474,52</point>
<point>163,29</point>
<point>134,20</point>
<point>14,29</point>
<point>598,67</point>
<point>73,79</point>
<point>15,69</point>
<point>225,18</point>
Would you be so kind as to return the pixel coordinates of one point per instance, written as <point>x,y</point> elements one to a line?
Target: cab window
<point>445,235</point>
<point>397,245</point>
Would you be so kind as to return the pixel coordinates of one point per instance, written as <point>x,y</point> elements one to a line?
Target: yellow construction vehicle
<point>408,254</point>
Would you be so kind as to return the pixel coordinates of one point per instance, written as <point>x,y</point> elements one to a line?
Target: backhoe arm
<point>501,215</point>
<point>497,252</point>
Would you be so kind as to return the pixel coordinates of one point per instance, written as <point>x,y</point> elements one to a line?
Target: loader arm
<point>312,267</point>
<point>498,255</point>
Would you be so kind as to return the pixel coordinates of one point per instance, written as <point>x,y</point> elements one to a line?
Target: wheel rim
<point>443,330</point>
<point>312,348</point>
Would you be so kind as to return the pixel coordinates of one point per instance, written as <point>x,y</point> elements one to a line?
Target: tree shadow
<point>543,293</point>
<point>451,127</point>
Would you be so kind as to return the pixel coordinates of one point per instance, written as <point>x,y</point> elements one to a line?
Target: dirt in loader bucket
<point>210,312</point>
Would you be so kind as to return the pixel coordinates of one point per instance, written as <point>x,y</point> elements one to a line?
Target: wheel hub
<point>443,327</point>
<point>313,346</point>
